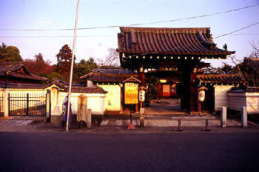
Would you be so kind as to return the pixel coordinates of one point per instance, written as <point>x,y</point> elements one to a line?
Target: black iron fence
<point>29,104</point>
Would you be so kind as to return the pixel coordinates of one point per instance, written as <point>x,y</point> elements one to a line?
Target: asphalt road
<point>57,151</point>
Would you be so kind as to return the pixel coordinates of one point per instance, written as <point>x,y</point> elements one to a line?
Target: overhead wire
<point>237,30</point>
<point>102,36</point>
<point>139,24</point>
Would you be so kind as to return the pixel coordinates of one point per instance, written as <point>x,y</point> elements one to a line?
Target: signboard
<point>131,93</point>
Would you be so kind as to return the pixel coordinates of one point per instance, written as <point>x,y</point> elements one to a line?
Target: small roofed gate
<point>28,104</point>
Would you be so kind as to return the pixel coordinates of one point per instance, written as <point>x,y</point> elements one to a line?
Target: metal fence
<point>30,104</point>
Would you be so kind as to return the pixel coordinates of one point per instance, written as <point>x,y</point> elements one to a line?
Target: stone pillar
<point>89,118</point>
<point>244,117</point>
<point>5,103</point>
<point>224,117</point>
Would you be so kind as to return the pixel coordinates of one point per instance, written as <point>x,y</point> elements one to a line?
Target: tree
<point>9,54</point>
<point>39,58</point>
<point>64,58</point>
<point>112,59</point>
<point>38,65</point>
<point>226,68</point>
<point>84,67</point>
<point>255,52</point>
<point>250,71</point>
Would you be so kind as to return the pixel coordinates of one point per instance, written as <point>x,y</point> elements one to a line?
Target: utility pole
<point>72,65</point>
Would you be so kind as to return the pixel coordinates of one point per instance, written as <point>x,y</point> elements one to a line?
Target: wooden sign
<point>131,93</point>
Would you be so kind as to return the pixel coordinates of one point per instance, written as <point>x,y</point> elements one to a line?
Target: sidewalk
<point>32,126</point>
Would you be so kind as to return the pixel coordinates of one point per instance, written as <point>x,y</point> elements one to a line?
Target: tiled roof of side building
<point>168,41</point>
<point>23,85</point>
<point>86,90</point>
<point>106,77</point>
<point>112,70</point>
<point>12,70</point>
<point>116,75</point>
<point>229,79</point>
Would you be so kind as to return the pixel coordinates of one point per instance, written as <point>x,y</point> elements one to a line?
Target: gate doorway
<point>164,106</point>
<point>28,104</point>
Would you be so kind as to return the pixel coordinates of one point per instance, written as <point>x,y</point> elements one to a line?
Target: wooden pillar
<point>185,87</point>
<point>189,91</point>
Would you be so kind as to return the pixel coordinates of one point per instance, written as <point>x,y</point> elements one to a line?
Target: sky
<point>20,17</point>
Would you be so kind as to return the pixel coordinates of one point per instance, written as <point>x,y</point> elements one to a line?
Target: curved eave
<point>170,53</point>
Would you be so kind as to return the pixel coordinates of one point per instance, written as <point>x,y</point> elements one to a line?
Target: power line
<point>237,30</point>
<point>96,36</point>
<point>199,16</point>
<point>139,24</point>
<point>49,36</point>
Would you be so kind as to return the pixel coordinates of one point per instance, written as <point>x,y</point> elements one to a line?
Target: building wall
<point>113,97</point>
<point>252,102</point>
<point>237,100</point>
<point>1,102</point>
<point>20,93</point>
<point>95,101</point>
<point>221,96</point>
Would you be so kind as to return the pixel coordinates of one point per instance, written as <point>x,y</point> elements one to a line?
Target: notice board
<point>131,93</point>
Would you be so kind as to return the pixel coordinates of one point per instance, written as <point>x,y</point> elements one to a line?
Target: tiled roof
<point>12,70</point>
<point>252,61</point>
<point>113,75</point>
<point>112,70</point>
<point>106,77</point>
<point>23,85</point>
<point>228,79</point>
<point>87,90</point>
<point>132,79</point>
<point>168,41</point>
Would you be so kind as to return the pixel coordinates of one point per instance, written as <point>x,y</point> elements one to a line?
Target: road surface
<point>186,151</point>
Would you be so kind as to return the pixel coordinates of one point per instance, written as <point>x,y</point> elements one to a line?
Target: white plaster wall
<point>1,101</point>
<point>95,102</point>
<point>221,96</point>
<point>236,101</point>
<point>113,97</point>
<point>252,102</point>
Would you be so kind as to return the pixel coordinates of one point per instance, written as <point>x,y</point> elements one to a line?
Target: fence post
<point>179,128</point>
<point>224,117</point>
<point>142,118</point>
<point>5,103</point>
<point>206,128</point>
<point>244,117</point>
